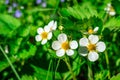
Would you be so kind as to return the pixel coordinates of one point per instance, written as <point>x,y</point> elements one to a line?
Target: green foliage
<point>117,77</point>
<point>113,24</point>
<point>116,5</point>
<point>8,24</point>
<point>84,11</point>
<point>26,77</point>
<point>27,53</point>
<point>39,71</point>
<point>101,75</point>
<point>4,64</point>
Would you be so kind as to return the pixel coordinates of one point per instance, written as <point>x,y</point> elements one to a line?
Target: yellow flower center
<point>90,31</point>
<point>91,47</point>
<point>44,35</point>
<point>60,28</point>
<point>112,9</point>
<point>51,28</point>
<point>65,45</point>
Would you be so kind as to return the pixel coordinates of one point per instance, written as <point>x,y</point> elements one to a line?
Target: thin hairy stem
<point>10,63</point>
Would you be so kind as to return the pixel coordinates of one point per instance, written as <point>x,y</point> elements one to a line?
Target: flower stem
<point>10,63</point>
<point>107,62</point>
<point>90,73</point>
<point>49,69</point>
<point>70,69</point>
<point>57,65</point>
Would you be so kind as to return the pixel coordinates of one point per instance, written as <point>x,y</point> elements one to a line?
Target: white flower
<point>46,34</point>
<point>110,10</point>
<point>91,31</point>
<point>52,25</point>
<point>62,46</point>
<point>90,46</point>
<point>43,35</point>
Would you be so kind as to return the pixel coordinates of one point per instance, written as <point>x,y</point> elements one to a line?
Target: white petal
<point>112,13</point>
<point>109,4</point>
<point>47,28</point>
<point>93,39</point>
<point>70,52</point>
<point>96,29</point>
<point>60,53</point>
<point>56,45</point>
<point>73,44</point>
<point>49,35</point>
<point>38,38</point>
<point>50,24</point>
<point>82,54</point>
<point>83,42</point>
<point>93,56</point>
<point>62,37</point>
<point>107,9</point>
<point>40,30</point>
<point>83,51</point>
<point>100,46</point>
<point>54,26</point>
<point>44,41</point>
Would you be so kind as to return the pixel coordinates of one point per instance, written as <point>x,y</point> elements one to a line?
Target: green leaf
<point>83,11</point>
<point>8,24</point>
<point>15,45</point>
<point>102,75</point>
<point>41,74</point>
<point>25,54</point>
<point>116,5</point>
<point>113,24</point>
<point>117,77</point>
<point>26,77</point>
<point>24,31</point>
<point>76,69</point>
<point>4,63</point>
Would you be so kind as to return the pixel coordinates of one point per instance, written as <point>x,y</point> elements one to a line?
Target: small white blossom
<point>90,46</point>
<point>62,46</point>
<point>110,10</point>
<point>43,35</point>
<point>91,31</point>
<point>52,25</point>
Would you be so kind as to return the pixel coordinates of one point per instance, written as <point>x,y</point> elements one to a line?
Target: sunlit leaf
<point>113,24</point>
<point>8,24</point>
<point>83,11</point>
<point>26,77</point>
<point>117,77</point>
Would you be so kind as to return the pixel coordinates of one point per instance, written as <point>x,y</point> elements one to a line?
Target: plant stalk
<point>90,73</point>
<point>10,63</point>
<point>107,62</point>
<point>49,69</point>
<point>70,69</point>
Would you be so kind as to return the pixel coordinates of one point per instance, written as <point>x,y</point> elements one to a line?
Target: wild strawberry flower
<point>90,47</point>
<point>110,10</point>
<point>52,25</point>
<point>46,34</point>
<point>62,46</point>
<point>43,35</point>
<point>91,31</point>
